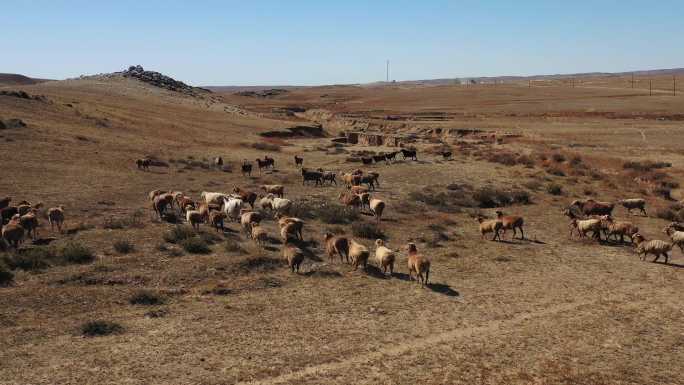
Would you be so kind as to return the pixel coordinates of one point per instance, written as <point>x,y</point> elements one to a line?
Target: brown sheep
<point>298,225</point>
<point>293,255</point>
<point>336,245</point>
<point>56,217</point>
<point>592,207</point>
<point>418,264</point>
<point>13,232</point>
<point>289,231</point>
<point>29,222</point>
<point>510,222</point>
<point>161,202</point>
<point>194,218</point>
<point>246,195</point>
<point>154,193</point>
<point>259,235</point>
<point>216,219</point>
<point>184,203</point>
<point>248,219</point>
<point>349,200</point>
<point>358,190</point>
<point>621,228</point>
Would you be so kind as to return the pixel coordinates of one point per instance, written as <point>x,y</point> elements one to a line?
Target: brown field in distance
<point>549,309</point>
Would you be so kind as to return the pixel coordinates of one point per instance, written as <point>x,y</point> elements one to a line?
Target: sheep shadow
<point>670,264</point>
<point>376,272</point>
<point>439,288</point>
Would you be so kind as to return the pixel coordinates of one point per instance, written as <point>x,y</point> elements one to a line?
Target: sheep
<point>184,203</point>
<point>259,235</point>
<point>299,161</point>
<point>29,222</point>
<point>418,264</point>
<point>365,160</point>
<point>655,247</point>
<point>349,200</point>
<point>24,209</point>
<point>194,218</point>
<point>510,222</point>
<point>279,205</point>
<point>56,217</point>
<point>294,256</point>
<point>359,254</point>
<point>246,195</point>
<point>232,206</point>
<point>218,161</point>
<point>351,180</point>
<point>298,225</point>
<point>611,227</point>
<point>490,226</point>
<point>160,203</point>
<point>4,202</point>
<point>275,189</point>
<point>7,213</point>
<point>446,154</point>
<point>592,207</point>
<point>266,163</point>
<point>216,219</point>
<point>336,245</point>
<point>143,164</point>
<point>384,256</point>
<point>248,219</point>
<point>377,206</point>
<point>155,193</point>
<point>213,197</point>
<point>357,190</point>
<point>375,177</point>
<point>635,203</point>
<point>328,176</point>
<point>391,156</point>
<point>379,158</point>
<point>246,168</point>
<point>409,154</point>
<point>365,199</point>
<point>13,232</point>
<point>586,225</point>
<point>315,176</point>
<point>676,236</point>
<point>677,226</point>
<point>368,180</point>
<point>290,231</point>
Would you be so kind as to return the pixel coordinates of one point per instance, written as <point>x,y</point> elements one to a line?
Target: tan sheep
<point>217,219</point>
<point>418,264</point>
<point>289,231</point>
<point>586,225</point>
<point>297,228</point>
<point>384,256</point>
<point>349,200</point>
<point>359,254</point>
<point>336,245</point>
<point>259,235</point>
<point>293,255</point>
<point>275,189</point>
<point>655,247</point>
<point>377,206</point>
<point>248,219</point>
<point>490,226</point>
<point>29,222</point>
<point>617,228</point>
<point>155,193</point>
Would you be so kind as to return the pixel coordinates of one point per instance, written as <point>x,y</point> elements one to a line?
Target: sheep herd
<point>22,220</point>
<point>595,218</point>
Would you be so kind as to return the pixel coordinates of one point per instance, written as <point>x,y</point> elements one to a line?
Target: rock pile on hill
<point>23,95</point>
<point>263,93</point>
<point>159,80</point>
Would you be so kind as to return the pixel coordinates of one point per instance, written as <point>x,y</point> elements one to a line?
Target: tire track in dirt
<point>423,343</point>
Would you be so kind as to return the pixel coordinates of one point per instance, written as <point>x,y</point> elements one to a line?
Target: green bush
<point>100,328</point>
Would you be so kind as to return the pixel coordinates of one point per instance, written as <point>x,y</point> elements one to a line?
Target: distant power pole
<point>674,85</point>
<point>632,79</point>
<point>650,87</point>
<point>387,71</point>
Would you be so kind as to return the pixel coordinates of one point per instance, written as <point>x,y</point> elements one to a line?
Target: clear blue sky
<point>251,42</point>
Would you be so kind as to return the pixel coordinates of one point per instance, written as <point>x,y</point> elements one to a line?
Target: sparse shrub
<point>178,234</point>
<point>157,313</point>
<point>488,197</point>
<point>555,171</point>
<point>264,146</point>
<point>257,264</point>
<point>509,159</point>
<point>588,191</point>
<point>645,166</point>
<point>554,189</point>
<point>195,245</point>
<point>664,192</point>
<point>74,252</point>
<point>367,230</point>
<point>232,246</point>
<point>533,185</point>
<point>35,258</point>
<point>132,221</point>
<point>326,212</point>
<point>558,158</point>
<point>123,246</point>
<point>576,160</point>
<point>6,276</point>
<point>146,298</point>
<point>100,328</point>
<point>674,213</point>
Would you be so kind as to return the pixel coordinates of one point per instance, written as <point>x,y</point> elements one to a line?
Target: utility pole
<point>674,85</point>
<point>632,79</point>
<point>387,71</point>
<point>650,87</point>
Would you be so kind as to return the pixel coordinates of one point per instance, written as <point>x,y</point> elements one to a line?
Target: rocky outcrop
<point>263,93</point>
<point>11,123</point>
<point>162,81</point>
<point>24,95</point>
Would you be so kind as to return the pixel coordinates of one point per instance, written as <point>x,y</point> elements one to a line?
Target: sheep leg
<point>667,257</point>
<point>656,258</point>
<point>522,234</point>
<point>644,211</point>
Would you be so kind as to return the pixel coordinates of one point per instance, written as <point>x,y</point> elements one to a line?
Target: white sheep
<point>213,197</point>
<point>377,206</point>
<point>279,205</point>
<point>676,236</point>
<point>655,247</point>
<point>358,254</point>
<point>232,206</point>
<point>384,256</point>
<point>586,225</point>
